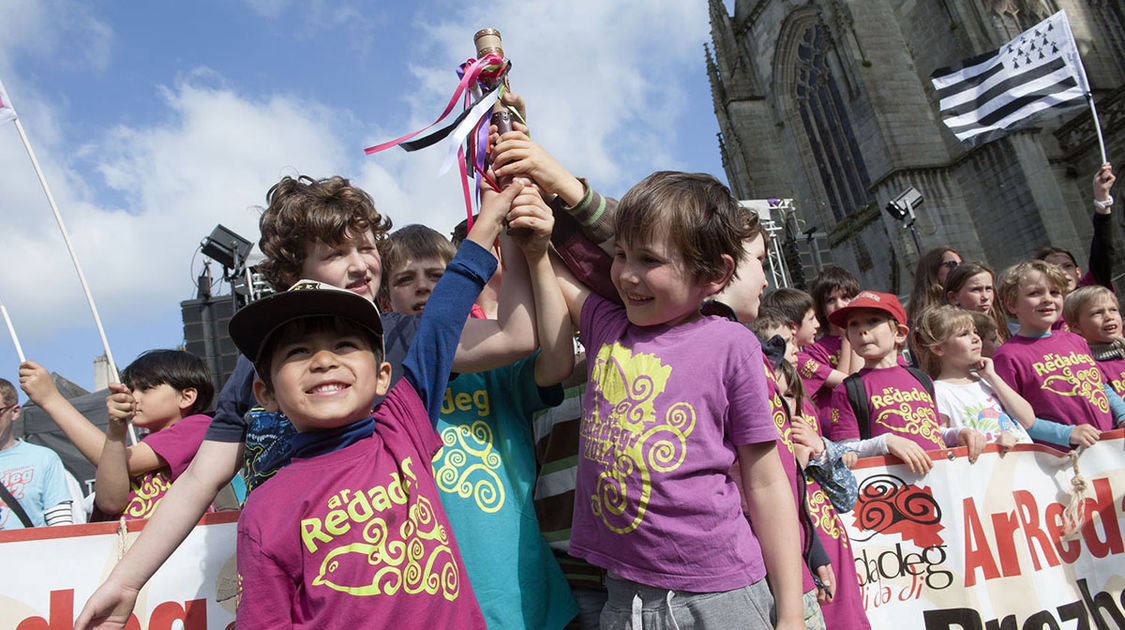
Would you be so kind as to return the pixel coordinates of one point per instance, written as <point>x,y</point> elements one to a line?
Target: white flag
<point>6,111</point>
<point>1036,75</point>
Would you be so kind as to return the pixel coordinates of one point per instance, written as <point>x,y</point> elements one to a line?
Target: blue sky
<point>156,121</point>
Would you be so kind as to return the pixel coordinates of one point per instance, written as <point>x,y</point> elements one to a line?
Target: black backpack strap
<point>14,505</point>
<point>925,380</point>
<point>857,398</point>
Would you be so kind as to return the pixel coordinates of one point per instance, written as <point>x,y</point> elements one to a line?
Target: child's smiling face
<point>1038,305</point>
<point>323,378</point>
<point>353,264</point>
<point>655,284</point>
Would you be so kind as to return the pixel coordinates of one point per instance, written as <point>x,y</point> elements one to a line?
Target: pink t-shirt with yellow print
<point>1058,376</point>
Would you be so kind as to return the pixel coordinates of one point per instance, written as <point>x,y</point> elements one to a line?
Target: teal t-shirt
<point>485,472</point>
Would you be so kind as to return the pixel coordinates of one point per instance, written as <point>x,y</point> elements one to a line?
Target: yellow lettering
<point>336,522</point>
<point>360,508</point>
<point>447,402</point>
<point>480,397</point>
<point>397,489</point>
<point>464,401</point>
<point>379,499</point>
<point>310,531</point>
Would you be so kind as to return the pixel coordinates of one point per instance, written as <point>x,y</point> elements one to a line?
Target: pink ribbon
<point>469,77</point>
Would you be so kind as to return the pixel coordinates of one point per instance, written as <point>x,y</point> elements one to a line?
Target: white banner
<point>48,573</point>
<point>965,547</point>
<point>981,546</point>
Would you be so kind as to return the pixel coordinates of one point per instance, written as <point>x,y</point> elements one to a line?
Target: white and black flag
<point>1036,75</point>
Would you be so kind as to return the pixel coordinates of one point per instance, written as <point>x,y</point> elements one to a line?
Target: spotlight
<point>902,209</point>
<point>226,248</point>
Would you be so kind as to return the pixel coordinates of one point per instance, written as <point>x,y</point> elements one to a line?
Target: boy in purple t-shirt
<point>352,532</point>
<point>658,440</point>
<point>1052,369</point>
<point>825,363</point>
<point>1093,313</point>
<point>902,418</point>
<point>165,392</point>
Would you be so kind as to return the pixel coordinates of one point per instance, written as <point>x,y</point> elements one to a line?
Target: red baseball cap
<point>885,302</point>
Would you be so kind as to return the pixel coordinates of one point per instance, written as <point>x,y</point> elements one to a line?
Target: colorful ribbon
<point>480,78</point>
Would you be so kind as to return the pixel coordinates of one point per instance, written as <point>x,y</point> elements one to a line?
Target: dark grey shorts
<point>634,606</point>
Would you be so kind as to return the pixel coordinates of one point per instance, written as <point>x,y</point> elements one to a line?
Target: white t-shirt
<point>976,406</point>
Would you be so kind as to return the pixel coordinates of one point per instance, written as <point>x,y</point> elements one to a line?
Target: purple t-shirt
<point>1057,375</point>
<point>356,535</point>
<point>780,414</point>
<point>845,611</point>
<point>1113,373</point>
<point>176,445</point>
<point>898,404</point>
<point>664,411</point>
<point>814,363</point>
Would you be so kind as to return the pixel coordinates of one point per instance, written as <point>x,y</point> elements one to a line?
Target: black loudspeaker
<point>205,334</point>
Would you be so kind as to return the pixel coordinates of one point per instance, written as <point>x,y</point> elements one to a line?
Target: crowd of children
<point>623,429</point>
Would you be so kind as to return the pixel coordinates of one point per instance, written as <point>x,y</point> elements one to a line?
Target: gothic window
<point>1107,14</point>
<point>825,120</point>
<point>1012,17</point>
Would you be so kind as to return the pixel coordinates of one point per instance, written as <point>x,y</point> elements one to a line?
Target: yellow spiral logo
<point>467,465</point>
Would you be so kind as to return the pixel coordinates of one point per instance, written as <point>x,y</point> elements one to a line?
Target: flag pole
<point>12,332</point>
<point>74,259</point>
<point>1097,126</point>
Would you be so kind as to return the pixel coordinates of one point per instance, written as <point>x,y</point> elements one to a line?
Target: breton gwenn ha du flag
<point>1036,75</point>
<point>6,111</point>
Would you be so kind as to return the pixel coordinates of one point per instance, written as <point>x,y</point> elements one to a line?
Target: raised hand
<point>1103,181</point>
<point>530,223</point>
<point>35,381</point>
<point>120,404</point>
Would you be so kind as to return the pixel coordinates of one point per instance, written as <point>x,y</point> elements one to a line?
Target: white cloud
<point>67,32</point>
<point>210,163</point>
<point>603,96</point>
<point>600,78</point>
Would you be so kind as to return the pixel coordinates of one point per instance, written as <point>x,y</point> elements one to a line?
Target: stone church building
<point>829,102</point>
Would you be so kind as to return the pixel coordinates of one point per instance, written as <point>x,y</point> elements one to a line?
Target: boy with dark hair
<point>33,477</point>
<point>798,309</point>
<point>365,537</point>
<point>166,392</point>
<point>826,363</point>
<point>886,407</point>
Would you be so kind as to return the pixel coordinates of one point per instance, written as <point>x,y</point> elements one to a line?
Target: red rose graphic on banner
<point>888,505</point>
